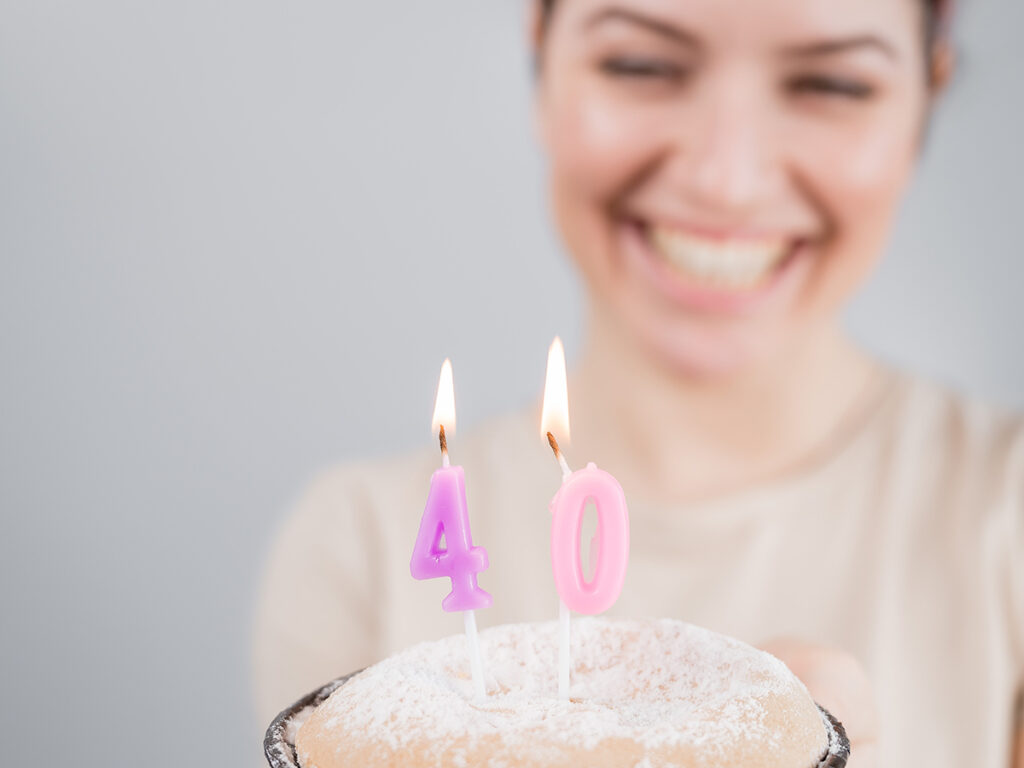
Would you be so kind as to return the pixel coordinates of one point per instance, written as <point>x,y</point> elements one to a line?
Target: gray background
<point>237,239</point>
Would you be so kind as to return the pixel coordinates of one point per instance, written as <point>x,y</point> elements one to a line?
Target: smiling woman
<point>725,174</point>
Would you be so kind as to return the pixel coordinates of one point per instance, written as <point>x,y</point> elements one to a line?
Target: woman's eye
<point>831,86</point>
<point>641,68</point>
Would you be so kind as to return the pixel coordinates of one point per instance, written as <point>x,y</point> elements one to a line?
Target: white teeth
<point>727,263</point>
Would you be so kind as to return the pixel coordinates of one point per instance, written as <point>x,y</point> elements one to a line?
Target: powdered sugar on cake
<point>661,683</point>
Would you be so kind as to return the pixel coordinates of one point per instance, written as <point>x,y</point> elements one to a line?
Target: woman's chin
<point>707,353</point>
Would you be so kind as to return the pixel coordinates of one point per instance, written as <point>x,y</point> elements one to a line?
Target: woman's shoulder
<point>957,455</point>
<point>968,431</point>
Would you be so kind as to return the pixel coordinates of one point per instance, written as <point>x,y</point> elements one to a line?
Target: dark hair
<point>936,13</point>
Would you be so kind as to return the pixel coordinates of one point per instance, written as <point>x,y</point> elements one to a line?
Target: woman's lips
<point>715,274</point>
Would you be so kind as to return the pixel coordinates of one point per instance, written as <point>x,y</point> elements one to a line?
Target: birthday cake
<point>644,694</point>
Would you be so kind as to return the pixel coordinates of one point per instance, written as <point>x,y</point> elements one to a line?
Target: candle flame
<point>555,413</point>
<point>444,403</point>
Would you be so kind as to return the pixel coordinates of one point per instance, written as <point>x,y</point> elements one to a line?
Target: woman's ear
<point>535,34</point>
<point>942,61</point>
<point>535,29</point>
<point>942,67</point>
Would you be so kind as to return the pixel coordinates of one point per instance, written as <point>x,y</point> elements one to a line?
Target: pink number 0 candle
<point>610,547</point>
<point>446,515</point>
<point>611,550</point>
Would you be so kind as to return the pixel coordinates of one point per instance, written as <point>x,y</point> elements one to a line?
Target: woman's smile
<point>712,271</point>
<point>728,262</point>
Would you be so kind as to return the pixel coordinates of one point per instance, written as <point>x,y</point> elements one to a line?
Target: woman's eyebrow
<point>658,26</point>
<point>842,45</point>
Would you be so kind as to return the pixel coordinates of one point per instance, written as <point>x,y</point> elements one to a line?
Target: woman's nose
<point>727,160</point>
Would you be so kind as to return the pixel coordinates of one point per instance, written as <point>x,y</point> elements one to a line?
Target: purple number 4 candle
<point>446,516</point>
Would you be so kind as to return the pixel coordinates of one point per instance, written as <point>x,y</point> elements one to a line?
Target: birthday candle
<point>446,517</point>
<point>610,550</point>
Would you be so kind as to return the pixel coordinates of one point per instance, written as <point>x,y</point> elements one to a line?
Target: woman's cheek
<point>601,142</point>
<point>859,189</point>
<point>599,147</point>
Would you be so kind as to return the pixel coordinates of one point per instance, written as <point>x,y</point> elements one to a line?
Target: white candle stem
<point>564,618</point>
<point>566,472</point>
<point>564,659</point>
<point>475,660</point>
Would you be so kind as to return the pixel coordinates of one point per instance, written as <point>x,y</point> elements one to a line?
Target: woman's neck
<point>672,437</point>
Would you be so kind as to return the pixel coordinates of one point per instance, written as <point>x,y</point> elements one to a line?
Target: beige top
<point>904,544</point>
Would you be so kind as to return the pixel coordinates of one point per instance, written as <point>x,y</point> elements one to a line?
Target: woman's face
<point>724,172</point>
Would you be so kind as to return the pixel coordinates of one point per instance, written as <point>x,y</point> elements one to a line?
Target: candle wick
<point>559,457</point>
<point>444,448</point>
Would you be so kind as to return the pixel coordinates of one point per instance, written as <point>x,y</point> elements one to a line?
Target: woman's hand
<point>838,682</point>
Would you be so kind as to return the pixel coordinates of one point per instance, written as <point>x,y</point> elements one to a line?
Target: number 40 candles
<point>446,516</point>
<point>610,547</point>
